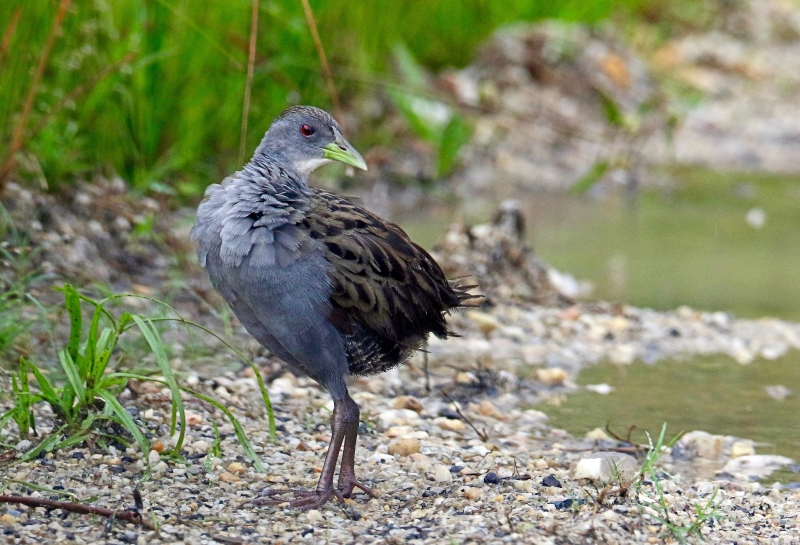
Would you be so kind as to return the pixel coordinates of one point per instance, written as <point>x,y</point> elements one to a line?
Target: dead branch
<point>312,25</point>
<point>481,433</point>
<point>130,515</point>
<point>33,90</point>
<point>251,61</point>
<point>11,29</point>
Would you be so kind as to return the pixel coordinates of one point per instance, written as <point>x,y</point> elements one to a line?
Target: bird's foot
<point>349,483</point>
<point>303,498</point>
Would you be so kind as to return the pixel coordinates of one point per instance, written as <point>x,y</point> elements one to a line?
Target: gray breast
<point>274,277</point>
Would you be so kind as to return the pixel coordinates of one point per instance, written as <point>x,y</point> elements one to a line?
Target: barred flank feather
<point>388,293</point>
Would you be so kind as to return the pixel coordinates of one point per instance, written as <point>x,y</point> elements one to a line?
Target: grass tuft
<point>660,509</point>
<point>86,403</point>
<point>154,90</point>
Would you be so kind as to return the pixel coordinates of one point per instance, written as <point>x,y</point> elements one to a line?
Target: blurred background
<point>652,146</point>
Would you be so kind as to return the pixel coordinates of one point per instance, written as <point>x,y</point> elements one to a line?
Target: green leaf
<point>6,417</point>
<point>583,185</point>
<point>23,376</point>
<point>455,135</point>
<point>104,348</point>
<point>261,386</point>
<point>237,428</point>
<point>48,392</point>
<point>73,439</point>
<point>613,113</point>
<point>45,446</point>
<point>92,344</point>
<point>157,346</point>
<point>73,375</point>
<point>127,422</point>
<point>73,303</point>
<point>264,394</point>
<point>411,72</point>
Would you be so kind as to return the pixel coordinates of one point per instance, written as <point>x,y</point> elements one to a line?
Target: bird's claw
<point>312,499</point>
<point>348,484</point>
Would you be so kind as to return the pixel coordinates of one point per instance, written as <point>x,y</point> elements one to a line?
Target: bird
<point>327,286</point>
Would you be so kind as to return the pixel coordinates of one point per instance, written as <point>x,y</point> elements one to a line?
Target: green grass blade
<point>73,303</point>
<point>127,422</point>
<point>92,344</point>
<point>72,440</point>
<point>45,446</point>
<point>157,346</point>
<point>102,352</point>
<point>237,427</point>
<point>455,135</point>
<point>6,417</point>
<point>73,375</point>
<point>261,386</point>
<point>48,392</point>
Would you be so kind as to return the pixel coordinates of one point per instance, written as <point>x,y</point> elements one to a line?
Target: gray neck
<point>268,150</point>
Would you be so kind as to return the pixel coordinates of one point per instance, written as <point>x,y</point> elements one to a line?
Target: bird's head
<point>303,138</point>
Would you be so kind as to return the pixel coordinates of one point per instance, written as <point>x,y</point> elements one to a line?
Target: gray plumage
<point>325,285</point>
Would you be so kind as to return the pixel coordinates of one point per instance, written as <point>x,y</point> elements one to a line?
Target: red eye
<point>306,130</point>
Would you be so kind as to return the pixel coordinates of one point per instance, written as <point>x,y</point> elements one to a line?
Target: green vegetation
<point>17,276</point>
<point>152,89</point>
<point>86,405</point>
<point>660,508</point>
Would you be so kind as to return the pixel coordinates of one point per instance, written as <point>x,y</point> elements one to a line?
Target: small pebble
<point>404,447</point>
<point>442,474</point>
<point>551,480</point>
<point>553,376</point>
<point>153,457</point>
<point>491,478</point>
<point>314,516</point>
<point>472,493</point>
<point>450,425</point>
<point>408,402</point>
<point>226,477</point>
<point>194,419</point>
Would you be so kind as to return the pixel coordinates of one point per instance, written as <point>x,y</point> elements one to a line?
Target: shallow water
<point>710,393</point>
<point>687,245</point>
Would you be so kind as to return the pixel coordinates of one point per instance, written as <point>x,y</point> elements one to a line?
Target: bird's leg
<point>347,472</point>
<point>308,499</point>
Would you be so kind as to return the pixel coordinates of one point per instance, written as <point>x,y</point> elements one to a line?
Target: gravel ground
<point>441,484</point>
<point>438,480</point>
<point>510,478</point>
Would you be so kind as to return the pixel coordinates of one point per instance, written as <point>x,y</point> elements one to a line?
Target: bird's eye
<point>306,130</point>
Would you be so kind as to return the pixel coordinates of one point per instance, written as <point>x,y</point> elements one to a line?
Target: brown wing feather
<point>388,293</point>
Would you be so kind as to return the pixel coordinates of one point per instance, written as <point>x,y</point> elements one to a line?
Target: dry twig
<point>19,130</point>
<point>8,35</point>
<point>251,61</point>
<point>129,515</point>
<point>312,25</point>
<point>481,433</point>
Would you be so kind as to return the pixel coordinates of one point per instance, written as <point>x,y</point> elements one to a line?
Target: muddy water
<point>712,241</point>
<point>711,393</point>
<point>690,244</point>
